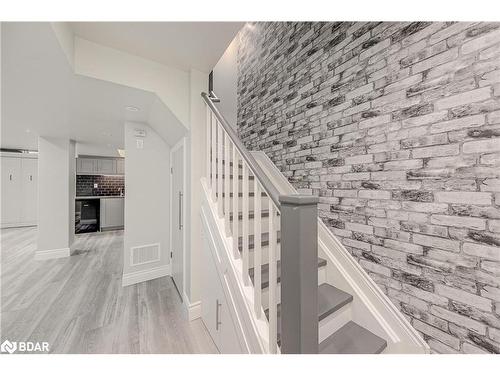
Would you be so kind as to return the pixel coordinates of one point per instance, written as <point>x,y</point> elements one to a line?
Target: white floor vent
<point>145,254</point>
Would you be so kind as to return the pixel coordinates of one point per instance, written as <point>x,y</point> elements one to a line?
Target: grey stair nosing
<point>331,299</point>
<point>265,272</point>
<point>334,304</point>
<point>352,338</point>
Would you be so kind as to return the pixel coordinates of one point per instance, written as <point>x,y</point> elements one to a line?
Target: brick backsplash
<point>107,185</point>
<point>396,126</point>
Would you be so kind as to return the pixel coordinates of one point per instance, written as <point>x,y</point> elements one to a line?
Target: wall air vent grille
<point>145,254</point>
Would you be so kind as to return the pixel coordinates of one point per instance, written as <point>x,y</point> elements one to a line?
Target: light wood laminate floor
<point>78,305</point>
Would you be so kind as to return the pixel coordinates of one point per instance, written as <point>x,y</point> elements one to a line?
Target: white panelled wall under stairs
<point>241,298</point>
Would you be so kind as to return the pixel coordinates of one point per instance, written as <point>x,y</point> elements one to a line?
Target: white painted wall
<point>147,207</point>
<point>170,84</point>
<point>196,162</point>
<point>72,190</point>
<point>56,211</point>
<point>226,82</point>
<point>64,35</point>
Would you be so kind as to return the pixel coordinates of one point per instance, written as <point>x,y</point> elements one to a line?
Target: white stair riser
<point>240,186</point>
<point>251,226</point>
<point>265,291</point>
<point>333,322</point>
<point>265,255</point>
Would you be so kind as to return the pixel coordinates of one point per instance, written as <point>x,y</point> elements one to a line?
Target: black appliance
<point>87,215</point>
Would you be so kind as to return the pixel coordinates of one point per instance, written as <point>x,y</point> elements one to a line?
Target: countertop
<point>98,197</point>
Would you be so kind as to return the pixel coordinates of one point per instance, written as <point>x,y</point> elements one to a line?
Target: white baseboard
<point>145,275</point>
<point>18,225</point>
<point>52,254</point>
<point>192,311</point>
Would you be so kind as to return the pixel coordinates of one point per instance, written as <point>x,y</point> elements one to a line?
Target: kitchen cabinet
<point>120,166</point>
<point>100,166</point>
<point>86,166</point>
<point>112,213</point>
<point>106,166</point>
<point>29,182</point>
<point>19,190</point>
<point>216,312</point>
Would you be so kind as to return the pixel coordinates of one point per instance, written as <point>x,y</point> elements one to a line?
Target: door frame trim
<point>176,147</point>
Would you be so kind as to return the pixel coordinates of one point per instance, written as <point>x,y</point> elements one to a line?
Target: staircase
<point>260,228</point>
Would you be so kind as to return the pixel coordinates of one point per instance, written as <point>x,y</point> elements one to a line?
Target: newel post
<point>299,274</point>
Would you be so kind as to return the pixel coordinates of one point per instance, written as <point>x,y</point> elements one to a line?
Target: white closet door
<point>11,190</point>
<point>30,190</point>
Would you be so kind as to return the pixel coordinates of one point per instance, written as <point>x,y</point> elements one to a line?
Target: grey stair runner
<point>352,339</point>
<point>265,272</point>
<point>330,300</point>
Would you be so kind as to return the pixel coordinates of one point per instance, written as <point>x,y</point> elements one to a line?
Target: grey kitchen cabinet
<point>86,166</point>
<point>100,166</point>
<point>120,166</point>
<point>106,166</point>
<point>112,214</point>
<point>19,191</point>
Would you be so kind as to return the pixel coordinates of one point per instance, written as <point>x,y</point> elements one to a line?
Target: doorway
<point>177,204</point>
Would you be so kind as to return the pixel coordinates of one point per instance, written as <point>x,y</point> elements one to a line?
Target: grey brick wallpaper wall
<point>396,126</point>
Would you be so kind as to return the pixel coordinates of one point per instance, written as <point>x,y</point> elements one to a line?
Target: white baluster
<point>245,223</point>
<point>208,139</point>
<point>227,181</point>
<point>220,141</point>
<point>273,281</point>
<point>213,156</point>
<point>257,250</point>
<point>236,172</point>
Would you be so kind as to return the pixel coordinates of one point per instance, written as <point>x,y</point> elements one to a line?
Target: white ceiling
<point>183,45</point>
<point>41,95</point>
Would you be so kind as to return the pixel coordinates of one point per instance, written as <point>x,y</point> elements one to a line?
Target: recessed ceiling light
<point>28,131</point>
<point>131,108</point>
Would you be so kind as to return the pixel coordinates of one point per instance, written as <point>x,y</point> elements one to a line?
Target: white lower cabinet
<point>216,312</point>
<point>19,191</point>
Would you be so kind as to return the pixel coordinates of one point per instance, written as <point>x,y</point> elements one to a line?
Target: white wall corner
<point>65,37</point>
<point>52,254</point>
<point>192,310</point>
<point>145,275</point>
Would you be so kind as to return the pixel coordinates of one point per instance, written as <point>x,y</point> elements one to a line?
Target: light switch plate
<point>96,186</point>
<point>139,143</point>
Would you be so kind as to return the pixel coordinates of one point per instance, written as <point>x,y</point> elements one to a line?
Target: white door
<point>11,190</point>
<point>29,185</point>
<point>177,206</point>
